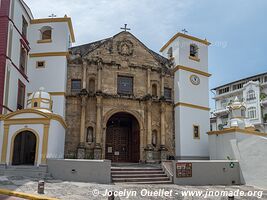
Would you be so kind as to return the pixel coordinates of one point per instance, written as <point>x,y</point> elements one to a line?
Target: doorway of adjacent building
<point>123,138</point>
<point>24,149</point>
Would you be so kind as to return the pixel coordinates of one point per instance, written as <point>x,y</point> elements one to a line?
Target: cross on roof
<point>125,28</point>
<point>184,31</point>
<point>52,15</point>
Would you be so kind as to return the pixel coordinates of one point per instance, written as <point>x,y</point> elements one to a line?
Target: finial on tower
<point>184,31</point>
<point>52,15</point>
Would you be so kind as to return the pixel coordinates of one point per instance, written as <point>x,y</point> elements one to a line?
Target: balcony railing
<point>220,111</point>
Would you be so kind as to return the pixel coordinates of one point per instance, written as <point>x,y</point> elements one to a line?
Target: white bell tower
<point>50,39</point>
<point>191,94</point>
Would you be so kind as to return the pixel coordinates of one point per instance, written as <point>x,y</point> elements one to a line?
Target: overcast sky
<point>236,28</point>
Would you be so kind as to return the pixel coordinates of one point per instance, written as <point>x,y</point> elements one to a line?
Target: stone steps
<point>134,169</point>
<point>139,175</point>
<point>148,182</point>
<point>137,172</point>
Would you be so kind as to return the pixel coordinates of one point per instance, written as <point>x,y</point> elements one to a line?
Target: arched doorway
<point>24,149</point>
<point>123,138</point>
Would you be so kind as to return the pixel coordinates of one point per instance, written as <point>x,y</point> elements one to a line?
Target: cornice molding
<point>189,69</point>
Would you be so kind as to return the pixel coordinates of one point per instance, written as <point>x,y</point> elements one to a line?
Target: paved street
<point>84,191</point>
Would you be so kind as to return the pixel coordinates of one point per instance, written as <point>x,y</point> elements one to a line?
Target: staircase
<point>139,174</point>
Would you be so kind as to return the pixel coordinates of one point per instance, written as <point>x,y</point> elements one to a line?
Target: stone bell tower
<point>191,94</point>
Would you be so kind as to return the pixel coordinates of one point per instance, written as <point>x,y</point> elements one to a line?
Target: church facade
<point>112,99</point>
<point>119,101</point>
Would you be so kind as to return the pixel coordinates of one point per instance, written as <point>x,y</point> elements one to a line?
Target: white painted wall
<point>181,50</point>
<point>59,107</point>
<point>52,77</point>
<point>190,147</point>
<point>56,140</point>
<point>60,38</point>
<point>222,146</point>
<point>187,92</point>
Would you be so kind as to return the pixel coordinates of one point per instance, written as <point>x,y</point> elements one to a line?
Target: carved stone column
<point>149,147</point>
<point>97,149</point>
<point>148,81</point>
<point>84,74</point>
<point>99,76</point>
<point>163,148</point>
<point>81,147</point>
<point>162,84</point>
<point>83,94</point>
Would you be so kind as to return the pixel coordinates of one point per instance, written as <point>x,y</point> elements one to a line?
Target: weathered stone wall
<point>121,55</point>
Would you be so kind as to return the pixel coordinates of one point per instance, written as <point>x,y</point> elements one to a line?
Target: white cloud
<point>153,22</point>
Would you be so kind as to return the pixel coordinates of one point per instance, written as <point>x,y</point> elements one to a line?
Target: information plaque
<point>183,170</point>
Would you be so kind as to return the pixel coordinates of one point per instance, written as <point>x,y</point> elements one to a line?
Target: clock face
<point>195,79</point>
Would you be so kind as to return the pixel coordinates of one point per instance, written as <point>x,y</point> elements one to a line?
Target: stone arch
<point>46,33</point>
<point>134,113</point>
<point>13,140</point>
<point>140,121</point>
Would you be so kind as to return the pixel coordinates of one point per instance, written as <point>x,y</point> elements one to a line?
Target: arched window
<point>92,85</point>
<point>194,50</point>
<point>46,33</point>
<point>154,138</point>
<point>154,90</point>
<point>170,53</point>
<point>251,95</point>
<point>35,104</point>
<point>252,113</point>
<point>90,135</point>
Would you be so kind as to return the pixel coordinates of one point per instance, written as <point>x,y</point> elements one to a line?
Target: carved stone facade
<point>99,66</point>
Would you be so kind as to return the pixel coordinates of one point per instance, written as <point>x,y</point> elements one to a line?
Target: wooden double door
<point>24,149</point>
<point>122,139</point>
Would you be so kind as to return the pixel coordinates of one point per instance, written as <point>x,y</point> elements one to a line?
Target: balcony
<point>221,111</point>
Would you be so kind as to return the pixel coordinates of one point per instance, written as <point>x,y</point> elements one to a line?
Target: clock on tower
<point>191,78</point>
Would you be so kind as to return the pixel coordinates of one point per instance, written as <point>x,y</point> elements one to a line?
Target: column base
<point>81,151</point>
<point>97,152</point>
<point>149,154</point>
<point>163,152</point>
<point>3,166</point>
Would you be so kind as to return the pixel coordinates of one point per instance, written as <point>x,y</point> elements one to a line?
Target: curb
<point>24,195</point>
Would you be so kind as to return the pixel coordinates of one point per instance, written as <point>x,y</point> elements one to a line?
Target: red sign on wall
<point>183,170</point>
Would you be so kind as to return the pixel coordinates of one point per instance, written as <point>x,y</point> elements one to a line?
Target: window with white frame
<point>252,113</point>
<point>251,95</point>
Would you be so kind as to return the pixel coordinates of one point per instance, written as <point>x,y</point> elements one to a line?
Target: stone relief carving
<point>125,48</point>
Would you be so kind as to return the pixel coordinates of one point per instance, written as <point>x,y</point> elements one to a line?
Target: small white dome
<point>40,100</point>
<point>237,104</point>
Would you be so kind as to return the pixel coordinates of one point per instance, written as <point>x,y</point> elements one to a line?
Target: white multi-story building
<point>252,91</point>
<point>33,59</point>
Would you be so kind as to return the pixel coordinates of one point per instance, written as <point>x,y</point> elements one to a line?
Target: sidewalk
<point>4,197</point>
<point>83,191</point>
